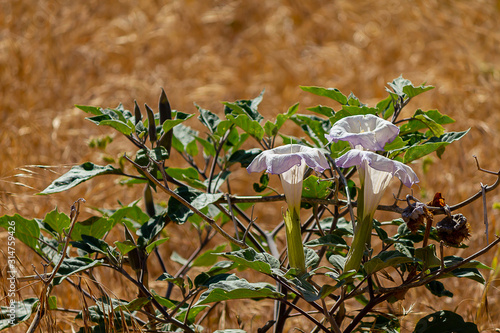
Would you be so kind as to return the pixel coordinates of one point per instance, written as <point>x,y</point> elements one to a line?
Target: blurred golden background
<point>55,54</point>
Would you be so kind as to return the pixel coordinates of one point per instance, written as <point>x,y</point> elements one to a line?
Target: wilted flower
<point>416,215</point>
<point>453,230</point>
<point>366,132</point>
<point>290,163</point>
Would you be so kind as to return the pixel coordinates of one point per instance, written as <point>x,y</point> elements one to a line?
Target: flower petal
<point>378,162</point>
<point>369,131</point>
<point>283,158</point>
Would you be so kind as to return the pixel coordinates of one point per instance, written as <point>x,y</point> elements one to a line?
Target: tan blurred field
<point>55,54</point>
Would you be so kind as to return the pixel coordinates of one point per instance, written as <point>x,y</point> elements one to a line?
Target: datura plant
<point>335,177</point>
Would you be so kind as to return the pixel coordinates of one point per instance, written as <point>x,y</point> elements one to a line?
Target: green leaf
<point>17,312</point>
<point>312,258</point>
<point>322,110</point>
<point>235,288</point>
<point>244,157</point>
<point>332,93</point>
<point>444,321</point>
<point>428,256</point>
<point>91,244</point>
<point>329,240</point>
<point>79,174</point>
<point>314,187</point>
<point>152,228</point>
<point>261,262</point>
<point>208,258</point>
<point>438,289</point>
<point>154,244</point>
<point>90,109</point>
<point>93,226</point>
<point>386,259</point>
<point>27,231</point>
<point>314,126</point>
<point>182,309</point>
<point>184,139</point>
<point>405,89</point>
<point>432,145</point>
<point>71,266</point>
<point>246,107</point>
<point>338,261</point>
<point>125,247</point>
<point>250,126</point>
<point>179,213</point>
<point>208,147</point>
<point>350,110</point>
<point>209,119</point>
<point>171,123</point>
<point>386,107</point>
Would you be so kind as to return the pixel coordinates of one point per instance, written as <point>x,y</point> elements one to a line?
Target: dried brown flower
<point>416,215</point>
<point>453,230</point>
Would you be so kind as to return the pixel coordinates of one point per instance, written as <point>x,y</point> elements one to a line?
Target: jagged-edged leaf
<point>74,265</point>
<point>233,287</point>
<point>17,312</point>
<point>405,89</point>
<point>384,260</point>
<point>314,187</point>
<point>444,321</point>
<point>332,93</point>
<point>247,107</point>
<point>78,174</point>
<point>432,145</point>
<point>27,231</point>
<point>261,262</point>
<point>209,119</point>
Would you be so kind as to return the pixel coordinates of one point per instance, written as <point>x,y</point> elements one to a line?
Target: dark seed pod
<point>137,112</point>
<point>148,201</point>
<point>164,107</point>
<point>415,216</point>
<point>165,114</point>
<point>151,124</point>
<point>453,230</point>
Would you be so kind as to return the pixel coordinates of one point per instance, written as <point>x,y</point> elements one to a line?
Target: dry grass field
<point>55,54</point>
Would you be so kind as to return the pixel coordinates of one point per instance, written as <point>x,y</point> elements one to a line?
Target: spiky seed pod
<point>453,230</point>
<point>416,215</point>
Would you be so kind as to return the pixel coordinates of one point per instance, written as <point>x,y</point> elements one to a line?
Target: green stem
<point>295,248</point>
